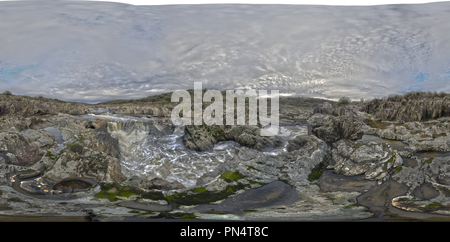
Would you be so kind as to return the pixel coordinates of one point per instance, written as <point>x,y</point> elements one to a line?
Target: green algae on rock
<point>232,176</point>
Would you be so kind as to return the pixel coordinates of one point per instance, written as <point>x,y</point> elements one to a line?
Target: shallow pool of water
<point>394,144</point>
<point>56,133</point>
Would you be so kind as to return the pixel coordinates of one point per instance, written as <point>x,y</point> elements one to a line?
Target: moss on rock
<point>317,172</point>
<point>111,190</point>
<point>232,176</point>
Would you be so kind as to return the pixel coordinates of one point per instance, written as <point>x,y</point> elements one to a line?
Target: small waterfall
<point>164,155</point>
<point>128,126</point>
<point>289,133</point>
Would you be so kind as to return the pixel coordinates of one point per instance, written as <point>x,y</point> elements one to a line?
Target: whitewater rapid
<point>149,156</point>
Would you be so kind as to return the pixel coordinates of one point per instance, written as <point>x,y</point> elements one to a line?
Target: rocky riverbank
<point>63,166</point>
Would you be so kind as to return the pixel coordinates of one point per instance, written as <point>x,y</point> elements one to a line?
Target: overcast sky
<point>96,51</point>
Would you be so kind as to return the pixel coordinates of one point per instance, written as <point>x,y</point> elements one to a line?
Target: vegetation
<point>110,191</point>
<point>165,98</point>
<point>397,170</point>
<point>343,101</point>
<point>317,172</point>
<point>232,176</point>
<point>28,106</point>
<point>351,206</point>
<point>433,205</point>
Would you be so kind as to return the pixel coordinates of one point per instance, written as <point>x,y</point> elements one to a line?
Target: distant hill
<point>166,97</point>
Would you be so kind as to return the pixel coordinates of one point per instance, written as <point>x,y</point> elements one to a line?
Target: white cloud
<point>98,51</point>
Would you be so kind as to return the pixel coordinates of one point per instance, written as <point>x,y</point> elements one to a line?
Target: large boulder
<point>331,129</point>
<point>102,141</point>
<point>434,170</point>
<point>203,138</point>
<point>79,161</point>
<point>302,145</point>
<point>362,157</point>
<point>324,108</point>
<point>97,124</point>
<point>12,141</point>
<point>38,138</point>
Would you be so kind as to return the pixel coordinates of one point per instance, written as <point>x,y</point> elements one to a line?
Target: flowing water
<point>151,156</point>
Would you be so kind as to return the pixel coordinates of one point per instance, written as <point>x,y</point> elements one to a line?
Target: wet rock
<point>97,124</point>
<point>247,154</point>
<point>330,182</point>
<point>380,197</point>
<point>159,128</point>
<point>7,157</point>
<point>362,157</point>
<point>203,138</point>
<point>303,145</point>
<point>425,192</point>
<point>272,194</point>
<point>331,129</point>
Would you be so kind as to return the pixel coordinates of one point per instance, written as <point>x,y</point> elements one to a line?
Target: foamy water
<point>166,157</point>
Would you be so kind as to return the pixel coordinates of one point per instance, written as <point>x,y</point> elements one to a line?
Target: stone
<point>425,191</point>
<point>12,141</point>
<point>416,107</point>
<point>67,190</point>
<point>302,145</point>
<point>38,138</point>
<point>273,194</point>
<point>89,164</point>
<point>97,124</point>
<point>203,138</point>
<point>151,207</point>
<point>324,108</point>
<point>104,142</point>
<point>7,157</point>
<point>331,129</point>
<point>380,197</point>
<point>363,157</point>
<point>247,154</point>
<point>330,182</point>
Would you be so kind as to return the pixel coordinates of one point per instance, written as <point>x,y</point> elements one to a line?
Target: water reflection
<point>394,144</point>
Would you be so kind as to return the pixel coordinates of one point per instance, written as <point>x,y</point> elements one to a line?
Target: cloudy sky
<point>96,51</point>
